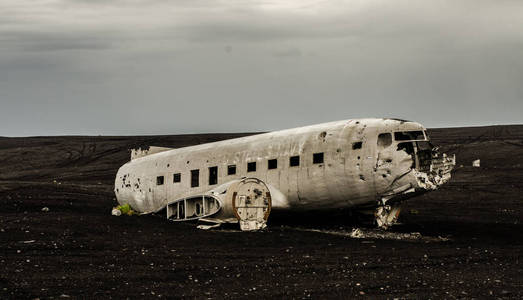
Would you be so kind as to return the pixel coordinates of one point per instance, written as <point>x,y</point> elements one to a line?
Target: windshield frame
<point>410,135</point>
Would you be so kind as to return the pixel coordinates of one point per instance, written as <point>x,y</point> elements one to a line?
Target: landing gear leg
<point>387,215</point>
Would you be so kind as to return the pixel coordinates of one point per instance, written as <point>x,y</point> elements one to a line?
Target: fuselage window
<point>317,158</point>
<point>231,169</point>
<point>251,167</point>
<point>357,145</point>
<point>409,136</point>
<point>177,177</point>
<point>294,161</point>
<point>159,180</point>
<point>195,178</point>
<point>213,175</point>
<point>384,140</point>
<point>272,164</point>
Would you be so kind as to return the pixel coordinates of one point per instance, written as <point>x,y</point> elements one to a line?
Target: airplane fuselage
<point>343,164</point>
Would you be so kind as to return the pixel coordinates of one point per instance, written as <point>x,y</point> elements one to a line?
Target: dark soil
<point>77,249</point>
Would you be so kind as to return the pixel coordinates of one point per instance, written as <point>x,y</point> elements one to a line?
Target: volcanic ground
<point>58,238</point>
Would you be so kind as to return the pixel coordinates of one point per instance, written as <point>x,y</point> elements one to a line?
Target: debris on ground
<point>207,227</point>
<point>28,242</point>
<point>359,233</point>
<point>122,210</point>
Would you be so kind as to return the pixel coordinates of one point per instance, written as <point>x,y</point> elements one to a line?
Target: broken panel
<point>192,208</point>
<point>407,147</point>
<point>424,154</point>
<point>251,203</point>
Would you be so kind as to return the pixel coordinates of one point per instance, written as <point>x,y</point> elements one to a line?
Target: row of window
<point>384,140</point>
<point>294,161</point>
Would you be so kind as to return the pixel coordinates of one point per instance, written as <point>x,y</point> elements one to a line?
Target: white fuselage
<point>354,169</point>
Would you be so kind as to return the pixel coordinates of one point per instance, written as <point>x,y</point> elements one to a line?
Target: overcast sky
<point>117,67</point>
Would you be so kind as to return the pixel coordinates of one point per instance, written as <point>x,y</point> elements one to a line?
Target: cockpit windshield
<point>409,136</point>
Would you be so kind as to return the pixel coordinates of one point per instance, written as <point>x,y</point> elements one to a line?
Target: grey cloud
<point>64,44</point>
<point>233,32</point>
<point>36,41</point>
<point>257,29</point>
<point>135,67</point>
<point>290,52</point>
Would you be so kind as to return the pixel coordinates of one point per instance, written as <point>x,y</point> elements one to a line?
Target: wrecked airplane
<point>362,164</point>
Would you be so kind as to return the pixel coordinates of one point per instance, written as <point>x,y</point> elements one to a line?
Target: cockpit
<point>416,143</point>
<point>407,164</point>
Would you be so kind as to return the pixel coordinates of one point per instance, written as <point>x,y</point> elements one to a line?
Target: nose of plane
<point>430,171</point>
